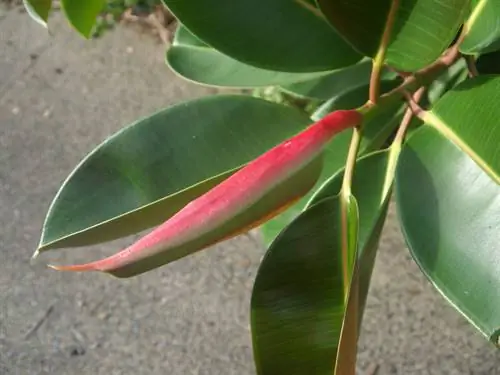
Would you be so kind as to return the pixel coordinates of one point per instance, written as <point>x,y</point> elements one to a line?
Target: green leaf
<point>282,35</point>
<point>38,10</point>
<point>422,29</point>
<point>449,210</point>
<point>196,61</point>
<point>352,98</point>
<point>469,116</point>
<point>230,224</point>
<point>454,75</point>
<point>367,186</point>
<point>483,28</point>
<point>82,14</point>
<point>338,82</point>
<point>295,323</point>
<point>146,172</point>
<point>297,302</point>
<point>375,134</point>
<point>370,190</point>
<point>347,350</point>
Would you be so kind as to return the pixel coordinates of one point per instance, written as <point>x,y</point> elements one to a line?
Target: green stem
<point>345,195</point>
<point>350,163</point>
<point>397,144</point>
<point>471,66</point>
<point>378,61</point>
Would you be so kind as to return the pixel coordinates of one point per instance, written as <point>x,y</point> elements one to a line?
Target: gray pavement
<point>59,97</point>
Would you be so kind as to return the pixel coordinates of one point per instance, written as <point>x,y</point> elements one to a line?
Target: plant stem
<point>345,194</point>
<point>471,66</point>
<point>397,144</point>
<point>421,78</point>
<point>378,61</point>
<point>350,163</point>
<point>399,138</point>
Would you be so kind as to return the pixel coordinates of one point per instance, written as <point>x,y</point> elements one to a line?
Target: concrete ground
<point>59,97</point>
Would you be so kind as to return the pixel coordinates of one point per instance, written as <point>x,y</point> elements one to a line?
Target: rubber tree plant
<point>410,109</point>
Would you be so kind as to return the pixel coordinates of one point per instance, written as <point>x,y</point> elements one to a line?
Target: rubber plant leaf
<point>259,191</point>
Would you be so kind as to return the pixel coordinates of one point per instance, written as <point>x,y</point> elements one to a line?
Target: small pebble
<point>77,351</point>
<point>15,110</point>
<point>104,315</point>
<point>130,49</point>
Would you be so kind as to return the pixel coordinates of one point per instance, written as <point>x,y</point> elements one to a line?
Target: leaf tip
<point>35,254</point>
<point>73,268</point>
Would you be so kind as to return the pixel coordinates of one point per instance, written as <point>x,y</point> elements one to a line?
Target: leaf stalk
<point>378,61</point>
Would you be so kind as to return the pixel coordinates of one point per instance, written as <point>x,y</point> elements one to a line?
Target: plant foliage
<point>421,76</point>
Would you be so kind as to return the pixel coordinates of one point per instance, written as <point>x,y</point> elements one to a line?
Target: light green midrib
<point>442,127</point>
<point>475,15</point>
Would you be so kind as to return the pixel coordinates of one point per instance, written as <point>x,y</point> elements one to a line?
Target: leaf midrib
<point>442,127</point>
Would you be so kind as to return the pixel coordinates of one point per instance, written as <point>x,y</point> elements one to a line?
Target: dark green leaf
<point>453,76</point>
<point>339,82</point>
<point>370,188</point>
<point>194,60</point>
<point>282,35</point>
<point>450,210</point>
<point>298,297</point>
<point>422,29</point>
<point>149,170</point>
<point>297,303</point>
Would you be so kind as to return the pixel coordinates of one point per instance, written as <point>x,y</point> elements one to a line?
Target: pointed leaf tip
<point>74,268</point>
<point>271,181</point>
<point>35,254</point>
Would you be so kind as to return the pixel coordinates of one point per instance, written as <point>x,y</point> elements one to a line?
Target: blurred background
<point>60,96</point>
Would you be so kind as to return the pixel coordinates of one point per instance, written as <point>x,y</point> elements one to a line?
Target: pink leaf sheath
<point>231,197</point>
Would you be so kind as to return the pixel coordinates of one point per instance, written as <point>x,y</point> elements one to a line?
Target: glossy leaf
<point>352,98</point>
<point>82,14</point>
<point>453,76</point>
<point>483,28</point>
<point>196,61</point>
<point>347,350</point>
<point>297,302</point>
<point>421,31</point>
<point>296,324</point>
<point>449,210</point>
<point>146,172</point>
<point>256,192</point>
<point>282,35</point>
<point>38,10</point>
<point>469,115</point>
<point>368,186</point>
<point>339,82</point>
